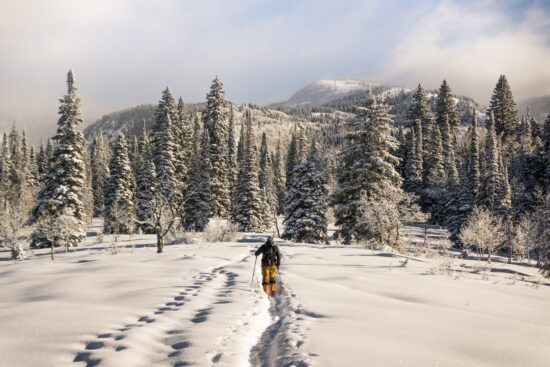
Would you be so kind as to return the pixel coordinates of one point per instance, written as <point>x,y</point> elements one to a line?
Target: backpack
<point>270,256</point>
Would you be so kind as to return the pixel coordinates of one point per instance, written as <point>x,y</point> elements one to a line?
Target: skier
<point>271,259</point>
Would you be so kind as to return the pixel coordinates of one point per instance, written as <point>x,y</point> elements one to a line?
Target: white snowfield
<point>193,305</point>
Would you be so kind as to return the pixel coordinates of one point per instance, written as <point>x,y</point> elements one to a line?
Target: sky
<point>124,52</point>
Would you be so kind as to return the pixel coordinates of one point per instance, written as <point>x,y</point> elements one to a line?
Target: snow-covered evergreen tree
<point>249,210</point>
<point>446,108</point>
<point>196,208</point>
<point>420,109</point>
<point>491,174</point>
<point>474,175</point>
<point>232,150</point>
<point>278,176</point>
<point>182,149</point>
<point>542,233</point>
<point>449,158</point>
<point>119,191</point>
<point>503,109</point>
<point>291,159</point>
<point>306,210</point>
<point>162,140</point>
<point>215,123</point>
<point>64,188</point>
<point>546,150</point>
<point>100,157</point>
<point>145,184</point>
<point>368,184</point>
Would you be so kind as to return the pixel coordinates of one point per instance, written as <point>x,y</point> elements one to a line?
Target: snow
<point>341,306</point>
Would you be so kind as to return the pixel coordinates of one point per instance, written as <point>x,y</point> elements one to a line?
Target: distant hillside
<point>539,107</point>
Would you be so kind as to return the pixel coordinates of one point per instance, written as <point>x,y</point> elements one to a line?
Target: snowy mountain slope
<point>327,90</point>
<point>193,305</point>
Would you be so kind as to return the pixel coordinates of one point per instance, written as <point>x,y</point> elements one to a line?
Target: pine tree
<point>266,181</point>
<point>278,176</point>
<point>100,156</point>
<point>5,165</point>
<point>232,151</point>
<point>473,164</point>
<point>41,161</point>
<point>216,124</point>
<point>33,175</point>
<point>446,107</point>
<point>163,148</point>
<point>196,207</point>
<point>249,211</point>
<point>119,191</point>
<point>502,107</point>
<point>368,184</point>
<point>491,175</point>
<point>182,149</point>
<point>145,184</point>
<point>306,219</point>
<point>420,109</point>
<point>291,159</point>
<point>449,159</point>
<point>64,188</point>
<point>503,203</point>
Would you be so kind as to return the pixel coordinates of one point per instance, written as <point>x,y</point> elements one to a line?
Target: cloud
<point>471,46</point>
<point>125,52</point>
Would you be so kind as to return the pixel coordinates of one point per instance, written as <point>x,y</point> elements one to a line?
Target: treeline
<point>192,166</point>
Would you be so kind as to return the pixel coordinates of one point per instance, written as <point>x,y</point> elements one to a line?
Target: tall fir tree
<point>196,208</point>
<point>503,109</point>
<point>249,210</point>
<point>449,158</point>
<point>278,176</point>
<point>215,123</point>
<point>546,151</point>
<point>182,149</point>
<point>291,159</point>
<point>368,184</point>
<point>491,174</point>
<point>232,150</point>
<point>306,211</point>
<point>119,191</point>
<point>62,194</point>
<point>446,108</point>
<point>145,184</point>
<point>474,175</point>
<point>163,148</point>
<point>100,157</point>
<point>420,109</point>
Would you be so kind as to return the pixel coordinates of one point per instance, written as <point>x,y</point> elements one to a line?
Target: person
<point>271,260</point>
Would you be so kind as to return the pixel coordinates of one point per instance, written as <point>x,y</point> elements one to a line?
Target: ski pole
<point>253,271</point>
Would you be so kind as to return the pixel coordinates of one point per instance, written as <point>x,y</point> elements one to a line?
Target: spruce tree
<point>249,211</point>
<point>182,149</point>
<point>291,159</point>
<point>216,124</point>
<point>305,219</point>
<point>446,108</point>
<point>100,157</point>
<point>119,191</point>
<point>368,184</point>
<point>196,208</point>
<point>278,176</point>
<point>503,109</point>
<point>62,194</point>
<point>491,173</point>
<point>473,164</point>
<point>449,159</point>
<point>232,150</point>
<point>163,149</point>
<point>420,109</point>
<point>145,184</point>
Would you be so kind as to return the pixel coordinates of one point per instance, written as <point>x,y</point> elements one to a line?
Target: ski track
<point>199,326</point>
<point>280,343</point>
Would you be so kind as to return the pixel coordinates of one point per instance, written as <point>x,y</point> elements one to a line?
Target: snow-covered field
<point>194,305</point>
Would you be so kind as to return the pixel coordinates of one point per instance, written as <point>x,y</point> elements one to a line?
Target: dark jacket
<point>270,254</point>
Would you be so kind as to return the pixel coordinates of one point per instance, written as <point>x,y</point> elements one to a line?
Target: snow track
<point>199,325</point>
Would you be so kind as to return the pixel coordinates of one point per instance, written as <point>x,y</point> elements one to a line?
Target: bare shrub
<point>220,232</point>
<point>483,230</point>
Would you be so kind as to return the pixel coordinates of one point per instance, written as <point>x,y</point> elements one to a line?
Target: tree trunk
<point>160,242</point>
